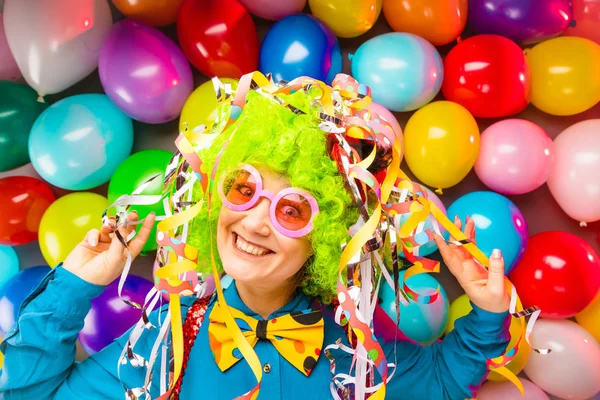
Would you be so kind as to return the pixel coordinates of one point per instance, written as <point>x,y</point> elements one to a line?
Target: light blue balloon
<point>78,142</point>
<point>404,71</point>
<point>499,224</point>
<point>423,323</point>
<point>9,263</point>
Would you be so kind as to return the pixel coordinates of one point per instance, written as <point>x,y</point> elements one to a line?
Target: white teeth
<point>248,248</point>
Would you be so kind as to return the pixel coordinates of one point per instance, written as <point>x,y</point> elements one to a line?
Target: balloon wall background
<point>497,100</point>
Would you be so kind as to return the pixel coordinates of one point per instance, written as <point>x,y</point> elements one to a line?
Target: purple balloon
<point>110,317</point>
<point>523,21</point>
<point>144,73</point>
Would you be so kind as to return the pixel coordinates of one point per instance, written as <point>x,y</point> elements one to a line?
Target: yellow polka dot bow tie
<point>298,337</point>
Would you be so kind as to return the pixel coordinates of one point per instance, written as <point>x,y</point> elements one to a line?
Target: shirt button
<point>267,368</point>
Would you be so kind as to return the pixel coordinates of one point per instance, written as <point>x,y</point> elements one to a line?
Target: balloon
<point>9,70</point>
<point>14,291</point>
<point>274,9</point>
<point>300,45</point>
<point>66,222</point>
<point>56,44</point>
<point>423,323</point>
<point>516,156</point>
<point>25,200</point>
<point>403,70</point>
<point>218,37</point>
<point>499,224</point>
<point>78,142</point>
<point>564,78</point>
<point>144,73</point>
<point>347,18</point>
<point>488,75</point>
<point>441,143</point>
<point>151,12</point>
<point>586,20</point>
<point>589,318</point>
<point>437,21</point>
<point>19,109</point>
<point>508,391</point>
<point>524,21</point>
<point>201,107</point>
<point>572,369</point>
<point>559,273</point>
<point>574,181</point>
<point>9,264</point>
<point>426,248</point>
<point>110,317</point>
<point>135,171</point>
<point>462,306</point>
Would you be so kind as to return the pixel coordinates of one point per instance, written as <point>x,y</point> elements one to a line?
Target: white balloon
<point>9,70</point>
<point>56,43</point>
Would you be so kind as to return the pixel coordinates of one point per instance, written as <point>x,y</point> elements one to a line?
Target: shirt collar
<point>298,303</point>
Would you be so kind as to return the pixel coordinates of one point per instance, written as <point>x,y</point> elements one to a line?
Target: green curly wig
<point>272,136</point>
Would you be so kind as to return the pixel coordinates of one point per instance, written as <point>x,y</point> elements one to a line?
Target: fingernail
<point>93,242</point>
<point>456,219</point>
<point>134,212</point>
<point>468,218</point>
<point>496,253</point>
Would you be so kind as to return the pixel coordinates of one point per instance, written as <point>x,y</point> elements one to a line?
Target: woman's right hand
<point>100,258</point>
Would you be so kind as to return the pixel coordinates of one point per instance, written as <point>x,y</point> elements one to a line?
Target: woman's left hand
<point>484,287</point>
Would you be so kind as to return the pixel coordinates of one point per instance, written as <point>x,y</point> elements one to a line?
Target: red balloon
<point>488,75</point>
<point>23,201</point>
<point>559,273</point>
<point>218,37</point>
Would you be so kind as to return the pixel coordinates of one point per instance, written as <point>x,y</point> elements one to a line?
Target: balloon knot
<point>572,23</point>
<point>40,99</point>
<point>439,191</point>
<point>583,224</point>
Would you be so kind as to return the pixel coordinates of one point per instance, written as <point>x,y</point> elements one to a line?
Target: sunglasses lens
<point>293,212</point>
<point>239,187</point>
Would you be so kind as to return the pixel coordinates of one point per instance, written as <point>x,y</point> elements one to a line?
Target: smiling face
<point>252,250</point>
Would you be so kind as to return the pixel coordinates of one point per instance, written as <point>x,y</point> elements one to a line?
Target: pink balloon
<point>508,391</point>
<point>575,178</point>
<point>144,72</point>
<point>389,117</point>
<point>515,157</point>
<point>274,9</point>
<point>9,70</point>
<point>572,369</point>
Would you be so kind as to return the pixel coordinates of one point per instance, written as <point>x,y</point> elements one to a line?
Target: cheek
<point>297,252</point>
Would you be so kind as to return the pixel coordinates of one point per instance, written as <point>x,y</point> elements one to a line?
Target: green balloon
<point>132,173</point>
<point>19,109</point>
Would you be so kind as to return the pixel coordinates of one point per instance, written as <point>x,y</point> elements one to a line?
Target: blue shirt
<point>40,361</point>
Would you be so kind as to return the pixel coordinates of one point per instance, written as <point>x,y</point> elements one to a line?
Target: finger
<point>132,218</point>
<point>92,237</point>
<point>496,272</point>
<point>138,242</point>
<point>106,229</point>
<point>458,223</point>
<point>448,254</point>
<point>470,229</point>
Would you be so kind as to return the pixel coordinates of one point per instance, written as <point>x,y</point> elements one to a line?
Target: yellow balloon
<point>565,78</point>
<point>589,318</point>
<point>347,18</point>
<point>200,108</point>
<point>461,307</point>
<point>66,222</point>
<point>441,143</point>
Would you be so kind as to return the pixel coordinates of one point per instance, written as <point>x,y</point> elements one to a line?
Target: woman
<point>280,215</point>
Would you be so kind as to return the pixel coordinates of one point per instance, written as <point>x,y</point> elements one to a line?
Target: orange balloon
<point>438,21</point>
<point>151,12</point>
<point>586,17</point>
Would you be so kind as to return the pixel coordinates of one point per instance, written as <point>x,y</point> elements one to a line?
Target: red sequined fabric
<point>191,327</point>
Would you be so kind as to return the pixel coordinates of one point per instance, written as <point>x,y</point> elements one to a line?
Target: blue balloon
<point>300,45</point>
<point>78,142</point>
<point>423,323</point>
<point>9,263</point>
<point>14,291</point>
<point>404,71</point>
<point>499,224</point>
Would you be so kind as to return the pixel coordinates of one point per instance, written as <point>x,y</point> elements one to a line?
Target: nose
<point>257,219</point>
